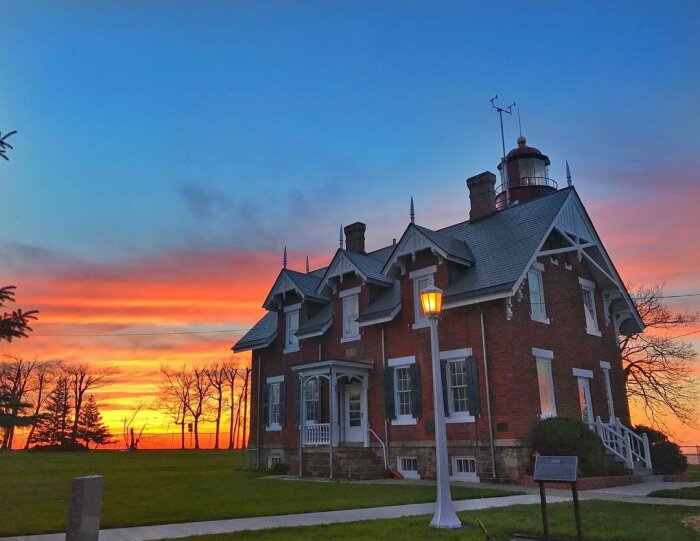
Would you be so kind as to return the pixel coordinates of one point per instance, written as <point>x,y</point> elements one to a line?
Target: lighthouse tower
<point>524,175</point>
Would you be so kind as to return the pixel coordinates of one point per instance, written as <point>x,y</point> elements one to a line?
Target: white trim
<point>586,283</point>
<point>420,273</point>
<point>401,361</point>
<point>455,354</point>
<point>605,365</point>
<point>537,266</point>
<point>404,420</point>
<point>348,292</point>
<point>459,417</point>
<point>292,307</point>
<point>346,339</point>
<point>582,373</point>
<point>274,379</point>
<point>477,300</point>
<point>421,324</point>
<point>273,428</point>
<point>315,333</point>
<point>543,353</point>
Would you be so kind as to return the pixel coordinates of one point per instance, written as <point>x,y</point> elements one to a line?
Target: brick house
<point>532,311</point>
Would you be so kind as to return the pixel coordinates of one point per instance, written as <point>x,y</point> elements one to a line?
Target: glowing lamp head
<point>431,300</point>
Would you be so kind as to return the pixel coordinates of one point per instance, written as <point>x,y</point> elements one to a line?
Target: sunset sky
<point>168,151</point>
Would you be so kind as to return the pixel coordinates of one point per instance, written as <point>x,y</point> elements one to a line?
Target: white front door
<point>353,414</point>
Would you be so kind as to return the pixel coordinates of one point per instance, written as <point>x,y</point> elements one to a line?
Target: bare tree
<point>246,380</point>
<point>130,432</point>
<point>217,379</point>
<point>659,368</point>
<point>201,393</point>
<point>81,379</point>
<point>45,376</point>
<point>175,396</point>
<point>16,378</point>
<point>230,373</point>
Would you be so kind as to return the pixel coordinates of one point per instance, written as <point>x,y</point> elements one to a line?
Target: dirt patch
<point>692,522</point>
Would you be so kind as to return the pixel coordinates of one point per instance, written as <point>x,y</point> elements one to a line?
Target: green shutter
<point>415,390</point>
<point>473,386</point>
<point>445,384</point>
<point>389,408</point>
<point>266,405</point>
<point>282,402</point>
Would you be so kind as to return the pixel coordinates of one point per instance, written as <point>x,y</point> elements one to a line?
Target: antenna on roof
<point>520,124</point>
<point>502,110</point>
<point>341,237</point>
<point>307,263</point>
<point>413,212</point>
<point>568,175</point>
<point>284,258</point>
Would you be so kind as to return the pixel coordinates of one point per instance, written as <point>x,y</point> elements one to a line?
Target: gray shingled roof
<point>369,266</point>
<point>317,323</point>
<point>384,306</point>
<point>261,335</point>
<point>454,247</point>
<point>503,245</point>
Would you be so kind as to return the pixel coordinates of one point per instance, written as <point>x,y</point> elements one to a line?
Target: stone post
<point>84,511</point>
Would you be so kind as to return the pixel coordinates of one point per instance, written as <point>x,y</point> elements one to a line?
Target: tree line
<point>190,396</point>
<point>54,400</point>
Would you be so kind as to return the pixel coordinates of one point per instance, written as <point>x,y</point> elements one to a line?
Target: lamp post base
<point>445,519</point>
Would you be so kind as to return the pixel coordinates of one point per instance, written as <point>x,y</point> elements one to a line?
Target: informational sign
<point>556,468</point>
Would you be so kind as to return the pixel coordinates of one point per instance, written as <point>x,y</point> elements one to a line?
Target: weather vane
<point>4,145</point>
<point>502,110</point>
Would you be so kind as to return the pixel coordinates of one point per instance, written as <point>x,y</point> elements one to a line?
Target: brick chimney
<point>355,237</point>
<point>482,195</point>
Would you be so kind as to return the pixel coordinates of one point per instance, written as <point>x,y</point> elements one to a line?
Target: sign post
<point>559,469</point>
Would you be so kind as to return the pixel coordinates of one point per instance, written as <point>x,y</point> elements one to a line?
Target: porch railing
<point>623,442</point>
<point>317,434</point>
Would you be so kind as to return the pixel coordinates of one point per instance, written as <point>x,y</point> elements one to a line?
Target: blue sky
<point>148,126</point>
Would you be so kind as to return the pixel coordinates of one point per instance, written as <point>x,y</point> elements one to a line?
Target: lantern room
<point>524,175</point>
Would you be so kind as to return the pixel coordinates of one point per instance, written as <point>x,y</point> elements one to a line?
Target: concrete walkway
<point>628,494</point>
<point>175,531</point>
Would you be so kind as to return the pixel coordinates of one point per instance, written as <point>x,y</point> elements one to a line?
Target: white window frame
<point>538,309</point>
<point>279,380</point>
<point>463,476</point>
<point>419,320</point>
<point>347,296</point>
<point>583,378</point>
<point>605,365</point>
<point>291,342</point>
<point>592,326</point>
<point>308,401</point>
<point>397,363</point>
<point>543,360</point>
<point>453,356</point>
<point>407,474</point>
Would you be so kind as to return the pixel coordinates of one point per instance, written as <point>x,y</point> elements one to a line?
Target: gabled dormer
<point>292,282</point>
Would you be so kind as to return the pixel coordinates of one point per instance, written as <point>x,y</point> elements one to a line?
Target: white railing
<point>317,434</point>
<point>386,461</point>
<point>623,442</point>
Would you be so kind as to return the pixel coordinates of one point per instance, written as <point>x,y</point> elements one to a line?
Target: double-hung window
<point>274,397</point>
<point>421,279</point>
<point>402,388</point>
<point>545,383</point>
<point>460,385</point>
<point>589,311</point>
<point>312,401</point>
<point>538,311</point>
<point>584,393</point>
<point>291,342</point>
<point>350,300</point>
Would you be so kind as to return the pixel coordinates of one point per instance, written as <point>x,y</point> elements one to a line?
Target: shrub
<point>280,468</point>
<point>561,436</point>
<point>67,447</point>
<point>666,456</point>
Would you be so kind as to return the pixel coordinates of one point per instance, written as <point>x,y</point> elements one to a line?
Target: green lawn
<point>158,487</point>
<point>694,470</point>
<point>602,521</point>
<point>689,493</point>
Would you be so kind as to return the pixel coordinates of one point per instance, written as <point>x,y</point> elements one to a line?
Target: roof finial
<point>568,175</point>
<point>284,258</point>
<point>307,263</point>
<point>413,212</point>
<point>340,239</point>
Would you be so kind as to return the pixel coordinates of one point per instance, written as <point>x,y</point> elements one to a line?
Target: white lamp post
<point>445,516</point>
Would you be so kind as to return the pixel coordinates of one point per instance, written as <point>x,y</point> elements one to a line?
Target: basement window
<point>464,468</point>
<point>408,467</point>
